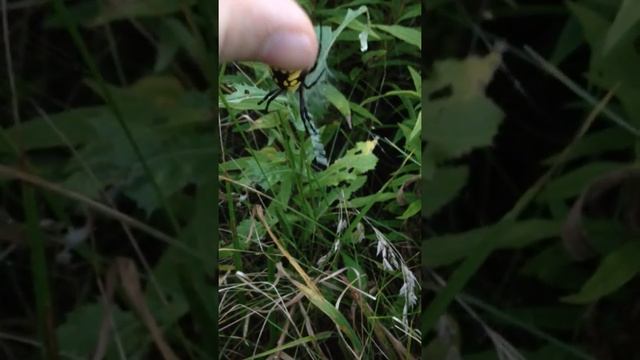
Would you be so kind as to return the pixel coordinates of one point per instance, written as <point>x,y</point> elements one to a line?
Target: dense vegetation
<point>531,184</point>
<point>330,269</point>
<point>108,179</point>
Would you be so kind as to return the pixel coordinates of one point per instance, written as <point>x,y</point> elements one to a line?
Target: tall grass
<point>321,263</point>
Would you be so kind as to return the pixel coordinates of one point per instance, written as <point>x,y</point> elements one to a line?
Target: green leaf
<point>447,249</point>
<point>355,273</point>
<point>417,80</point>
<point>628,16</point>
<point>596,143</point>
<point>574,182</point>
<point>569,40</point>
<point>366,200</point>
<point>120,10</point>
<point>406,34</point>
<point>594,24</point>
<point>454,128</point>
<point>173,35</point>
<point>413,208</point>
<point>610,65</point>
<point>334,314</point>
<point>180,163</point>
<point>443,187</point>
<point>77,125</point>
<point>465,118</point>
<point>78,334</point>
<point>467,78</point>
<point>338,100</point>
<point>616,269</point>
<point>356,161</point>
<point>414,138</point>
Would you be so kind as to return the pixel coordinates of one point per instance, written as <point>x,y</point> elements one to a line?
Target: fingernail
<point>287,50</point>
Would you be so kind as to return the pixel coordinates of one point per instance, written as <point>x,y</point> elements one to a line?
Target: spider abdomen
<point>287,79</point>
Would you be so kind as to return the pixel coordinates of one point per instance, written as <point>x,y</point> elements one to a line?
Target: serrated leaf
<point>355,162</point>
<point>465,119</point>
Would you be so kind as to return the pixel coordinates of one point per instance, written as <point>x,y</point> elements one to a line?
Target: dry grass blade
<point>9,172</point>
<point>128,275</point>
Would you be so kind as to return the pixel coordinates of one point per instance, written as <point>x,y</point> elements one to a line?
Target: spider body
<point>292,81</point>
<point>288,80</point>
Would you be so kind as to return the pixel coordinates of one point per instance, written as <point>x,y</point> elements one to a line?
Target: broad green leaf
<point>569,40</point>
<point>417,80</point>
<point>463,118</point>
<point>338,100</point>
<point>78,334</point>
<point>413,208</point>
<point>349,18</point>
<point>447,249</point>
<point>409,35</point>
<point>610,68</point>
<point>78,125</point>
<point>594,24</point>
<point>628,17</point>
<point>454,128</point>
<point>616,269</point>
<point>365,200</point>
<point>334,314</point>
<point>182,163</point>
<point>443,187</point>
<point>175,32</point>
<point>574,182</point>
<point>596,143</point>
<point>414,139</point>
<point>553,267</point>
<point>356,161</point>
<point>467,78</point>
<point>267,166</point>
<point>268,121</point>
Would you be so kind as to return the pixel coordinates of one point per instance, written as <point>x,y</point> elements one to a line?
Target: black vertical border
<point>209,13</point>
<point>423,239</point>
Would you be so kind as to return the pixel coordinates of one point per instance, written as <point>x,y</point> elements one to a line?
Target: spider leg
<point>316,63</point>
<point>319,158</point>
<point>304,114</point>
<point>314,81</point>
<point>271,95</point>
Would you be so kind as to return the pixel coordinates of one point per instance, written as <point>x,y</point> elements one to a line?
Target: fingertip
<point>290,50</point>
<point>276,32</point>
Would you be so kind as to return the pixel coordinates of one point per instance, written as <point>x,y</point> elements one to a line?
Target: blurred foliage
<point>567,248</point>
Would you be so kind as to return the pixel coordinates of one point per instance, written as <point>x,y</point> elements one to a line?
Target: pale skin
<point>276,32</point>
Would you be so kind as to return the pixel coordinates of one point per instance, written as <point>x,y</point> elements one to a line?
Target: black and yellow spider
<point>291,81</point>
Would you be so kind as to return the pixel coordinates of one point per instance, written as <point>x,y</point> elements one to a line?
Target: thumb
<point>276,32</point>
